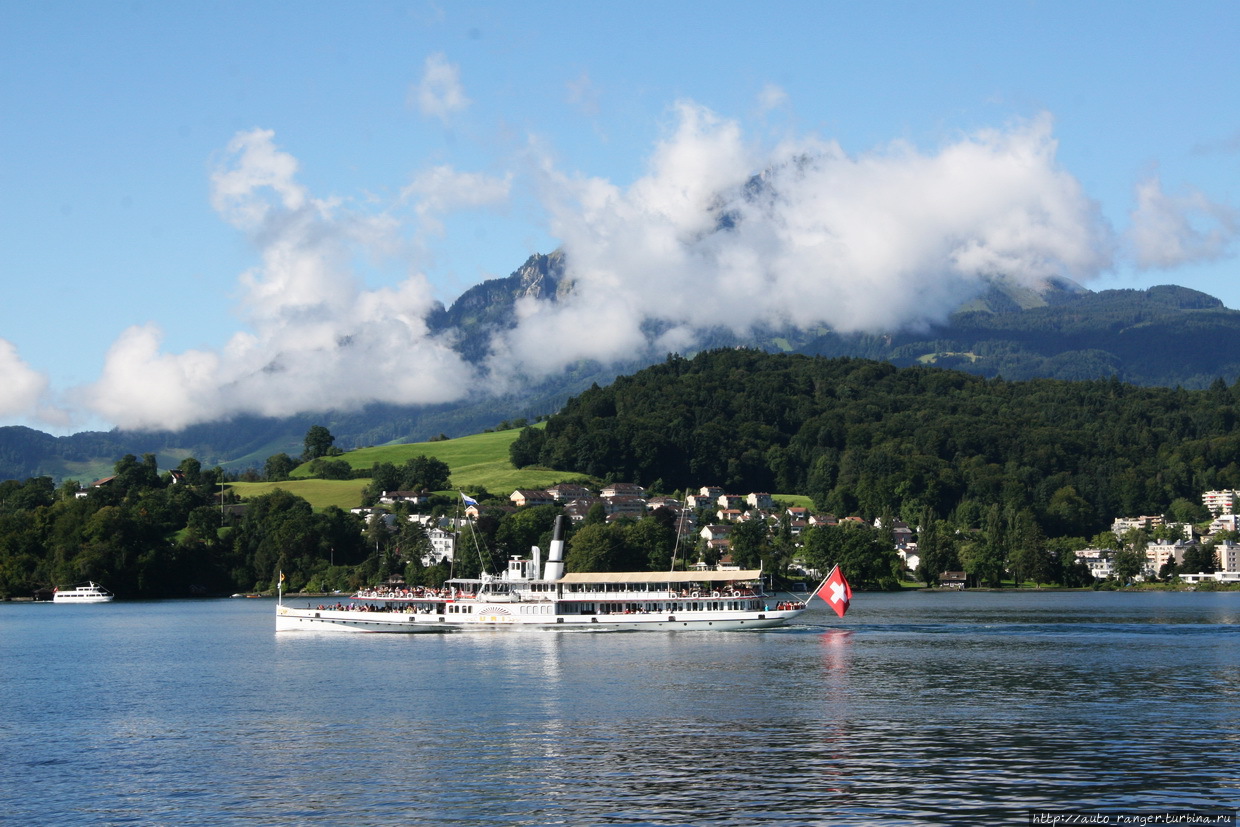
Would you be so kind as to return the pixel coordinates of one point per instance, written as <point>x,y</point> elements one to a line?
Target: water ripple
<point>932,711</point>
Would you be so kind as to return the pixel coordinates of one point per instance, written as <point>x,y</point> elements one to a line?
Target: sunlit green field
<point>319,493</point>
<point>479,460</point>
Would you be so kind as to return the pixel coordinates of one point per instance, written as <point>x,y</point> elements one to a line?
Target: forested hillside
<point>868,438</point>
<point>1165,336</point>
<point>1169,336</point>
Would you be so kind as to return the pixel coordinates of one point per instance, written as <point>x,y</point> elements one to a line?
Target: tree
<point>598,547</point>
<point>1199,559</point>
<point>1068,512</point>
<point>750,543</point>
<point>527,527</point>
<point>858,549</point>
<point>1184,510</point>
<point>191,470</point>
<point>653,539</point>
<point>597,515</point>
<point>1127,564</point>
<point>527,448</point>
<point>278,467</point>
<point>133,476</point>
<point>330,469</point>
<point>384,477</point>
<point>423,473</point>
<point>318,443</point>
<point>1029,556</point>
<point>936,549</point>
<point>983,556</point>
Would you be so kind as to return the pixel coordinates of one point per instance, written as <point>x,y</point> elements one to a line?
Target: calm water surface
<point>915,709</point>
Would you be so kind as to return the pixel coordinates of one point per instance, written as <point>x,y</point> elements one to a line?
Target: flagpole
<point>841,592</point>
<point>818,591</point>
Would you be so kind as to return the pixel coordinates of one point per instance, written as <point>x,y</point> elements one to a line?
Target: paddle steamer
<point>529,596</point>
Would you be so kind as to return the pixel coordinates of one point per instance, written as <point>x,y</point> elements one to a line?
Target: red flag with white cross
<point>836,591</point>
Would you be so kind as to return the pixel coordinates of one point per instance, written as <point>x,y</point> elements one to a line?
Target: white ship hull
<point>290,618</point>
<point>90,593</point>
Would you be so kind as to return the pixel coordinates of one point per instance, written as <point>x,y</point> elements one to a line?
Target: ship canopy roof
<point>662,576</point>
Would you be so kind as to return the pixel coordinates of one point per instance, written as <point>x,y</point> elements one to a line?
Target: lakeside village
<point>1154,548</point>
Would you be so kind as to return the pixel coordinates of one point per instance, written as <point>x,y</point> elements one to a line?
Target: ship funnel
<point>555,555</point>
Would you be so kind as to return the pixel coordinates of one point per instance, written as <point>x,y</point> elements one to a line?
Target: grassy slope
<point>319,493</point>
<point>480,460</point>
<point>477,460</point>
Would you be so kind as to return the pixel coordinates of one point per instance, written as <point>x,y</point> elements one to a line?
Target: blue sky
<point>230,207</point>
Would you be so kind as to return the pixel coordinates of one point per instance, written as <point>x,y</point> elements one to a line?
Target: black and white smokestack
<point>555,555</point>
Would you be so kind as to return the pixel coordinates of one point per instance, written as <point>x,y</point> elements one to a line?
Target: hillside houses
<point>709,516</point>
<point>410,497</point>
<point>1158,554</point>
<point>711,505</point>
<point>1221,502</point>
<point>1122,525</point>
<point>528,498</point>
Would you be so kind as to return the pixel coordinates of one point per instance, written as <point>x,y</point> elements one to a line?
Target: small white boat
<point>91,592</point>
<point>521,599</point>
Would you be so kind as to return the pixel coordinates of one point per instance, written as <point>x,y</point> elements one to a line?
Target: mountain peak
<point>1004,294</point>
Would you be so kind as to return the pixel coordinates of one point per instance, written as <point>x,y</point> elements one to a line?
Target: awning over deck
<point>662,576</point>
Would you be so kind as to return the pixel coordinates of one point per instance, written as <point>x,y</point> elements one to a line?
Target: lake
<point>918,708</point>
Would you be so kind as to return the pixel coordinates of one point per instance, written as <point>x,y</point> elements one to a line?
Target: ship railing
<point>668,594</point>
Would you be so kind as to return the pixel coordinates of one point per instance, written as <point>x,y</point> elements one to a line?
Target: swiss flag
<point>836,591</point>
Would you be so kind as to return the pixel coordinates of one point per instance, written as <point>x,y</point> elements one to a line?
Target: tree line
<point>867,438</point>
<point>147,534</point>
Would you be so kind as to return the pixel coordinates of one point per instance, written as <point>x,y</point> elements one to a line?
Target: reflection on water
<point>915,709</point>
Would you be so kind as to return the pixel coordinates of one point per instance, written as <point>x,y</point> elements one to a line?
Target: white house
<point>1098,560</point>
<point>443,546</point>
<point>1220,502</point>
<point>1121,525</point>
<point>1224,522</point>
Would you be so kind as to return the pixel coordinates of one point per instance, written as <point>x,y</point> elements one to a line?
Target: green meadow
<point>477,461</point>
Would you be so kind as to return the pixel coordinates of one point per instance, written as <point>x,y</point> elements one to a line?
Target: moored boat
<point>89,592</point>
<point>528,596</point>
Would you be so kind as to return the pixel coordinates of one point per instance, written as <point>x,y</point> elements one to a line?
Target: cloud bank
<point>720,231</point>
<point>893,238</point>
<point>1172,230</point>
<point>23,387</point>
<point>317,338</point>
<point>439,94</point>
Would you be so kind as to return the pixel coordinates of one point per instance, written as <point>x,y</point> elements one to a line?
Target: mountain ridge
<point>1166,335</point>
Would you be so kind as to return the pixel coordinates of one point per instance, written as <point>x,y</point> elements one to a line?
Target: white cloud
<point>439,93</point>
<point>895,237</point>
<point>318,339</point>
<point>443,189</point>
<point>583,95</point>
<point>260,168</point>
<point>873,242</point>
<point>772,97</point>
<point>1171,230</point>
<point>23,386</point>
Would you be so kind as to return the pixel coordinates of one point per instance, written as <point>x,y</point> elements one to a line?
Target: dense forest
<point>1002,479</point>
<point>867,438</point>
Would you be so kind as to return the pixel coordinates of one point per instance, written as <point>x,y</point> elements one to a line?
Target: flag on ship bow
<point>836,591</point>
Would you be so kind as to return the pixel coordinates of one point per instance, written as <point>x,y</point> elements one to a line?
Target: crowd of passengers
<point>408,608</point>
<point>407,592</point>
